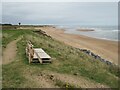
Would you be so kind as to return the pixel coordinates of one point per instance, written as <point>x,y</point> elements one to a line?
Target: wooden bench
<point>37,54</point>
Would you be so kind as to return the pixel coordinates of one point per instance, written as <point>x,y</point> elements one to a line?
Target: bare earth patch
<point>48,79</point>
<point>10,52</point>
<point>75,80</point>
<point>39,80</point>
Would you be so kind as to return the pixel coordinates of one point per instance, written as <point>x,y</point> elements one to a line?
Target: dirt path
<point>10,52</point>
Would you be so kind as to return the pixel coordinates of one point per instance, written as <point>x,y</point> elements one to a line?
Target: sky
<point>60,13</point>
<point>60,0</point>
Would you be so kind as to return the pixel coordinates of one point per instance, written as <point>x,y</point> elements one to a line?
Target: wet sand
<point>105,48</point>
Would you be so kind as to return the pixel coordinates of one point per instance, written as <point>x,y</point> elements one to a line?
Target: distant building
<point>19,23</point>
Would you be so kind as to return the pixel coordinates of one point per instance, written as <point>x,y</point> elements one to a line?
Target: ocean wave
<point>101,33</point>
<point>100,30</point>
<point>115,30</point>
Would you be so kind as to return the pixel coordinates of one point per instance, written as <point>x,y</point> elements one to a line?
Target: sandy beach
<point>105,48</point>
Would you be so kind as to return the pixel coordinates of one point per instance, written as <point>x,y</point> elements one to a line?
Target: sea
<point>100,32</point>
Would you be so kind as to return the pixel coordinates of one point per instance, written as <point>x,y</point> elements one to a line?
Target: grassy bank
<point>65,60</point>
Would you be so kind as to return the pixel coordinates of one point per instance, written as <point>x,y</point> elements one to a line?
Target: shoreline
<point>107,49</point>
<point>105,39</point>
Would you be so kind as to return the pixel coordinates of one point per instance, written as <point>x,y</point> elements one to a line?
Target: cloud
<point>60,13</point>
<point>60,0</point>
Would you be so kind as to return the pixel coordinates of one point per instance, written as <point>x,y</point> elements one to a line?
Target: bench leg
<point>29,58</point>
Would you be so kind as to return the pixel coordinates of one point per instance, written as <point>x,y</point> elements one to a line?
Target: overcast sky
<point>77,13</point>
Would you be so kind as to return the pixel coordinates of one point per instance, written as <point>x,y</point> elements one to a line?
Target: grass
<point>66,59</point>
<point>12,77</point>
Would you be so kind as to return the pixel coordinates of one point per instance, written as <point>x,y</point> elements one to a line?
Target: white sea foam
<point>115,30</point>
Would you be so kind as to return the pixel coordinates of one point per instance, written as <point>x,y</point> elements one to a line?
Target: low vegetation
<point>65,60</point>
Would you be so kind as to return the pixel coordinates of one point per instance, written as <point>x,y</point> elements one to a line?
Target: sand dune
<point>105,48</point>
